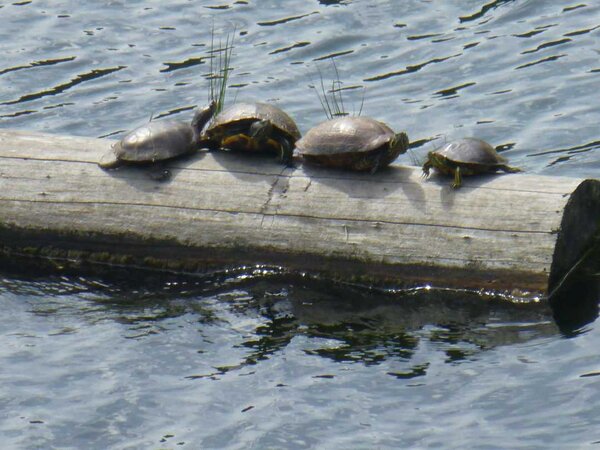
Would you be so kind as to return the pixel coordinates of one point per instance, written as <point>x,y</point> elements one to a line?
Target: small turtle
<point>254,127</point>
<point>355,143</point>
<point>468,156</point>
<point>158,141</point>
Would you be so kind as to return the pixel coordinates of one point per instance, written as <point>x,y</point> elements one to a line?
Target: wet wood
<point>517,231</point>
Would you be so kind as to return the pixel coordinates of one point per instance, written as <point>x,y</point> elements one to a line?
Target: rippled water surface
<point>263,359</point>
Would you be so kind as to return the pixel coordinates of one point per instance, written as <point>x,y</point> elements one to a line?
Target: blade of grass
<point>362,101</point>
<point>224,69</point>
<point>331,99</point>
<point>340,110</point>
<point>325,100</point>
<point>211,92</point>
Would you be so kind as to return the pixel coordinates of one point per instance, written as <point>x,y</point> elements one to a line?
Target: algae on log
<point>500,232</point>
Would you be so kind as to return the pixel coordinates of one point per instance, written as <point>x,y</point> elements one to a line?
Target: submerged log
<point>499,232</point>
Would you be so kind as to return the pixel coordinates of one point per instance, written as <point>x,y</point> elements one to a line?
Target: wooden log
<point>516,232</point>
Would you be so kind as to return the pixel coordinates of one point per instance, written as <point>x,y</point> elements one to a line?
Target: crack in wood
<point>277,188</point>
<point>270,214</point>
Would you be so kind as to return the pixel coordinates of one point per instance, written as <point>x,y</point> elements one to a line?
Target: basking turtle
<point>254,127</point>
<point>468,156</point>
<point>355,143</point>
<point>158,141</point>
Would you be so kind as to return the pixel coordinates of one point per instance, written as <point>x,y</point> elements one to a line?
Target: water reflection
<point>575,302</point>
<point>347,324</point>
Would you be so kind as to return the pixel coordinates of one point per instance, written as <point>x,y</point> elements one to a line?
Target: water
<point>263,359</point>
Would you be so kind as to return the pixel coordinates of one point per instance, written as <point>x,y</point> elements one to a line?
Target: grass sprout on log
<point>332,99</point>
<point>220,67</point>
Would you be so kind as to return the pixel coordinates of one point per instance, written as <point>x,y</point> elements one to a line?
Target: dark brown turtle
<point>355,143</point>
<point>463,157</point>
<point>254,127</point>
<point>158,140</point>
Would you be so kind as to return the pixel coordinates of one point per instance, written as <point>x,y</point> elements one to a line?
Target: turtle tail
<point>510,169</point>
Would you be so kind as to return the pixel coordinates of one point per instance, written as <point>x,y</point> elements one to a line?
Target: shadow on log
<point>519,234</point>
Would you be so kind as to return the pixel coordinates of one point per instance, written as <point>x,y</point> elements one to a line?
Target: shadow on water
<point>334,2</point>
<point>565,154</point>
<point>484,10</point>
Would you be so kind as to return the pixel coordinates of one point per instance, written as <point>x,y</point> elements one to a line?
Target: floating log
<point>518,233</point>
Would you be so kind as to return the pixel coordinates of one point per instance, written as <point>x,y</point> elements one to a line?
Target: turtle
<point>158,140</point>
<point>352,142</point>
<point>254,127</point>
<point>467,156</point>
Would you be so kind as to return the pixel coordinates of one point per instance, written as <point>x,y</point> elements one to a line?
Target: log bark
<point>515,232</point>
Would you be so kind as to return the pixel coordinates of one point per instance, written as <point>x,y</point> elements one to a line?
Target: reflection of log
<point>498,232</point>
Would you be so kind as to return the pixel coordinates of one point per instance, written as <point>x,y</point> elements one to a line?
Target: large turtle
<point>254,127</point>
<point>467,156</point>
<point>355,143</point>
<point>158,140</point>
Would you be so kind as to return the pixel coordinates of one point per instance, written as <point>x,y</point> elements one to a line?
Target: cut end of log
<point>579,234</point>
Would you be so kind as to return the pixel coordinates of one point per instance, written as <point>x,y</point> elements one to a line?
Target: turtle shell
<point>345,135</point>
<point>471,151</point>
<point>355,143</point>
<point>241,114</point>
<point>156,141</point>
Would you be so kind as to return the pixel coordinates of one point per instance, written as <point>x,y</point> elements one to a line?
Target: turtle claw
<point>426,169</point>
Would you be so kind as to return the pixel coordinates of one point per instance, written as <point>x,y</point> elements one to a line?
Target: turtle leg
<point>159,171</point>
<point>206,143</point>
<point>457,178</point>
<point>239,142</point>
<point>202,116</point>
<point>261,130</point>
<point>287,152</point>
<point>377,160</point>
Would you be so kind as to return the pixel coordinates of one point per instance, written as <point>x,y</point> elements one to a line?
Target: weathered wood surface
<point>497,232</point>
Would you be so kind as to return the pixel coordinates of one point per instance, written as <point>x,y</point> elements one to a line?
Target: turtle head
<point>399,143</point>
<point>202,116</point>
<point>261,131</point>
<point>436,160</point>
<point>439,162</point>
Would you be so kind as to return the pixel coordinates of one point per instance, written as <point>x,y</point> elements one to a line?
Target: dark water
<point>263,359</point>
